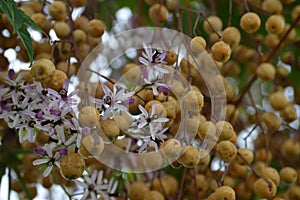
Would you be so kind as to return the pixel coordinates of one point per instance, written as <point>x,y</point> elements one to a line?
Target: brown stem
<point>225,173</point>
<point>246,5</point>
<point>181,184</point>
<point>249,165</point>
<point>230,13</point>
<point>196,185</point>
<point>102,76</point>
<point>213,5</point>
<point>239,100</point>
<point>187,4</point>
<point>72,26</point>
<point>195,26</point>
<point>204,17</point>
<point>249,134</point>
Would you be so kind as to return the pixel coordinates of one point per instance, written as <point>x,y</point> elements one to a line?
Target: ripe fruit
<point>159,108</point>
<point>270,173</point>
<point>56,81</point>
<point>295,12</point>
<point>162,185</point>
<point>247,155</point>
<point>171,148</point>
<point>275,24</point>
<point>110,129</point>
<point>89,116</point>
<point>62,30</point>
<point>265,188</point>
<point>250,22</point>
<point>72,166</point>
<point>288,175</point>
<point>232,36</point>
<point>278,100</point>
<point>224,130</point>
<point>151,195</point>
<point>137,190</point>
<point>271,120</point>
<point>207,129</point>
<point>226,151</point>
<point>42,70</point>
<point>224,192</point>
<point>266,72</point>
<point>190,156</point>
<point>158,13</point>
<point>293,193</point>
<point>91,145</point>
<point>132,73</point>
<point>96,28</point>
<point>171,58</point>
<point>58,11</point>
<point>221,51</point>
<point>289,113</point>
<point>212,21</point>
<point>290,148</point>
<point>272,6</point>
<point>198,44</point>
<point>79,36</point>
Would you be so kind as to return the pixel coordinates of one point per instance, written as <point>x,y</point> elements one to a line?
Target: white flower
<point>50,160</point>
<point>156,136</point>
<point>152,120</point>
<point>112,102</point>
<point>96,187</point>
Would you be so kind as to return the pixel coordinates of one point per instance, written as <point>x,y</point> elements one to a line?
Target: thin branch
<point>181,184</point>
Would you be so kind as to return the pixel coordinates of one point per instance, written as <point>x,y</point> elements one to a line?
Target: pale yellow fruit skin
<point>79,36</point>
<point>247,154</point>
<point>89,116</point>
<point>56,81</point>
<point>227,151</point>
<point>137,190</point>
<point>91,145</point>
<point>278,100</point>
<point>221,51</point>
<point>151,195</point>
<point>271,120</point>
<point>96,28</point>
<point>275,24</point>
<point>272,174</point>
<point>288,175</point>
<point>110,128</point>
<point>158,13</point>
<point>232,36</point>
<point>250,22</point>
<point>42,70</point>
<point>190,156</point>
<point>62,30</point>
<point>72,165</point>
<point>225,192</point>
<point>272,6</point>
<point>215,22</point>
<point>265,188</point>
<point>58,11</point>
<point>198,44</point>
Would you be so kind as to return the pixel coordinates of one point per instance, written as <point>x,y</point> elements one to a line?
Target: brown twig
<point>182,184</point>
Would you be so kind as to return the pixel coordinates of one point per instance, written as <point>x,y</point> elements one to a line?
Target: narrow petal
<point>40,161</point>
<point>48,170</point>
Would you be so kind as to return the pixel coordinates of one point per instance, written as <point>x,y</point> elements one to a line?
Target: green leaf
<point>20,21</point>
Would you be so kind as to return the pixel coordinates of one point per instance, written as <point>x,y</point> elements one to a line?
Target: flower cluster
<point>30,108</point>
